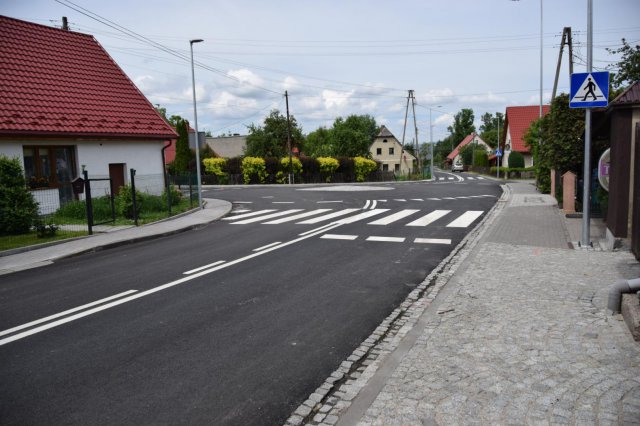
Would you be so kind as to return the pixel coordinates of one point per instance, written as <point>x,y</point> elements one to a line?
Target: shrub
<point>481,159</point>
<point>253,170</point>
<point>363,166</point>
<point>234,166</point>
<point>174,194</point>
<point>310,165</point>
<point>346,167</point>
<point>216,166</point>
<point>328,164</point>
<point>281,177</point>
<point>124,202</point>
<point>516,160</point>
<point>18,209</point>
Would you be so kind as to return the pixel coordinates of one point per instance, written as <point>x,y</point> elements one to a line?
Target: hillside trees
<point>270,139</point>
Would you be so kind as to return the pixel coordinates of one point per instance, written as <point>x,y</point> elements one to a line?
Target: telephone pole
<point>411,99</point>
<point>286,97</point>
<point>566,39</point>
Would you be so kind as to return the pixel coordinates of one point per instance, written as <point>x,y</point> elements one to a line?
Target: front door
<point>116,173</point>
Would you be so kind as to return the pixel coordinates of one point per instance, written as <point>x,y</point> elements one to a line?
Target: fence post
<point>87,201</point>
<point>190,191</point>
<point>133,196</point>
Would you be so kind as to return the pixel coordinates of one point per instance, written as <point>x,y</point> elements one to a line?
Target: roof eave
<point>87,135</point>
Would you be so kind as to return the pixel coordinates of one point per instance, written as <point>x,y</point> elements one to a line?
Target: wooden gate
<point>635,220</point>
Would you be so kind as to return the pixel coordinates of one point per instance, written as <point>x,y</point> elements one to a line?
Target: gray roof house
<point>228,146</point>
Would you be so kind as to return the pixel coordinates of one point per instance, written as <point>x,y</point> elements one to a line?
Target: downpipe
<point>616,291</point>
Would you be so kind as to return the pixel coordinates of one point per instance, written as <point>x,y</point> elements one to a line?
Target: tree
<point>184,155</point>
<point>173,120</point>
<point>628,67</point>
<point>270,139</point>
<point>489,128</point>
<point>18,209</point>
<point>318,143</point>
<point>462,125</point>
<point>352,137</point>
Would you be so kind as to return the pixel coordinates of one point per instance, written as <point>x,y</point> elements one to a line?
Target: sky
<point>341,57</point>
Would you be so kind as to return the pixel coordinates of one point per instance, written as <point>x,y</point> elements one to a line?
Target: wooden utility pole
<point>286,97</point>
<point>566,39</point>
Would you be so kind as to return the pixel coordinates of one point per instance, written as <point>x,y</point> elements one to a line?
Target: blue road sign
<point>498,153</point>
<point>589,90</point>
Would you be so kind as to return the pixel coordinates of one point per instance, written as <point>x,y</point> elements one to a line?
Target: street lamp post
<point>195,122</point>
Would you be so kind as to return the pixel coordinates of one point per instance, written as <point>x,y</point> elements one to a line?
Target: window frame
<point>38,180</point>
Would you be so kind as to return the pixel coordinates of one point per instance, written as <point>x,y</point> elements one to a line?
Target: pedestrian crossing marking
<point>465,219</point>
<point>269,216</point>
<point>470,178</point>
<point>328,216</point>
<point>430,218</point>
<point>242,216</point>
<point>394,217</point>
<point>365,215</point>
<point>297,216</point>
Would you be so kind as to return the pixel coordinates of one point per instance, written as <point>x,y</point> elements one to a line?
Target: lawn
<point>8,242</point>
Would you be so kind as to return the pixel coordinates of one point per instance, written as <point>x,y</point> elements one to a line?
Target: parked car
<point>457,167</point>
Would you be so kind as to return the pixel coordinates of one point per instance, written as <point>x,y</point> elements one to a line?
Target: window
<point>378,151</point>
<point>49,166</point>
<point>384,140</point>
<point>397,167</point>
<point>385,167</point>
<point>391,151</point>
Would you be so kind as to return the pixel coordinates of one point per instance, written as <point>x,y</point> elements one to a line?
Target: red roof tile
<point>63,83</point>
<point>518,119</point>
<point>630,96</point>
<point>464,142</point>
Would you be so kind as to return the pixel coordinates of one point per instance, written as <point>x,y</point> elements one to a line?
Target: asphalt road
<point>236,323</point>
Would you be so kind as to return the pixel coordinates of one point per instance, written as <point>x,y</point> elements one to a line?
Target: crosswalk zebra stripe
<point>480,177</point>
<point>394,217</point>
<point>328,216</point>
<point>365,215</point>
<point>465,219</point>
<point>431,217</point>
<point>434,199</point>
<point>470,178</point>
<point>297,216</point>
<point>242,216</point>
<point>269,216</point>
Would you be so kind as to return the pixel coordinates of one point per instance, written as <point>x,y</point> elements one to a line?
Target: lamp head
<point>196,40</point>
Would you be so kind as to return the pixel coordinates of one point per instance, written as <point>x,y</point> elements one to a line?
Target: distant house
<point>517,121</point>
<point>473,138</point>
<point>387,150</point>
<point>66,105</point>
<point>228,146</point>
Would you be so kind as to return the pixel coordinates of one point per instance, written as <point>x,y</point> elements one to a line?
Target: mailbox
<point>78,185</point>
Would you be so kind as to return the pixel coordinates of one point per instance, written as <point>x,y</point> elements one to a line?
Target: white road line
<point>440,178</point>
<point>402,200</point>
<point>417,199</point>
<point>366,205</point>
<point>267,246</point>
<point>328,216</point>
<point>242,216</point>
<point>470,178</point>
<point>462,197</point>
<point>465,219</point>
<point>374,203</point>
<point>365,215</point>
<point>434,199</point>
<point>242,202</point>
<point>339,237</point>
<point>297,216</point>
<point>268,196</point>
<point>394,217</point>
<point>67,312</point>
<point>451,178</point>
<point>321,228</point>
<point>480,177</point>
<point>327,202</point>
<point>219,262</point>
<point>448,198</point>
<point>240,211</point>
<point>430,218</point>
<point>151,291</point>
<point>386,239</point>
<point>282,202</point>
<point>269,216</point>
<point>431,241</point>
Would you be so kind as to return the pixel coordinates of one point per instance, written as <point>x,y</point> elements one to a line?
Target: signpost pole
<point>586,220</point>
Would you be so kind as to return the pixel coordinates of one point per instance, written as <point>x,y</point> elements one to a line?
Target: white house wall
<point>143,156</point>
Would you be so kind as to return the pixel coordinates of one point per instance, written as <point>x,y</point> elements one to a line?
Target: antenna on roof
<point>65,24</point>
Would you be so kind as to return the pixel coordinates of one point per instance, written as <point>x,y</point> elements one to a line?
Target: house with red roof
<point>389,153</point>
<point>473,138</point>
<point>517,121</point>
<point>66,105</point>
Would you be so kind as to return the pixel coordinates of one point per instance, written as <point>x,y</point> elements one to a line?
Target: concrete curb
<point>334,397</point>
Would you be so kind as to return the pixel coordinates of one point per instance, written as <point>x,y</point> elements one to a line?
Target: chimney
<point>65,24</point>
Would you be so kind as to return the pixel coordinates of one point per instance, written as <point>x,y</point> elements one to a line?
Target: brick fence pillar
<point>569,192</point>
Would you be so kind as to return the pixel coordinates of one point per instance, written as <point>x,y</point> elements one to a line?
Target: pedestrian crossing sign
<point>589,89</point>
